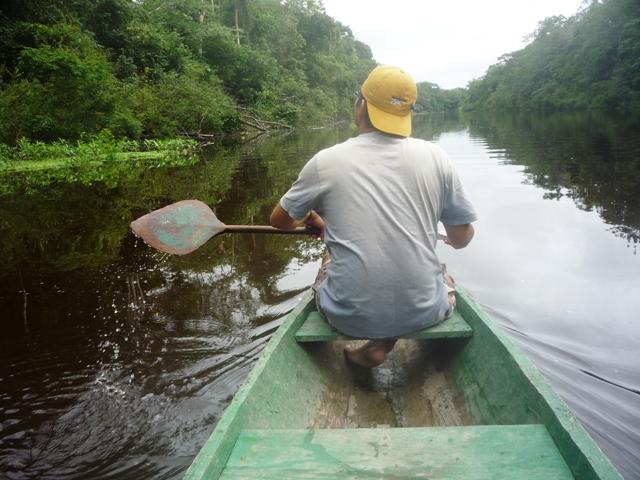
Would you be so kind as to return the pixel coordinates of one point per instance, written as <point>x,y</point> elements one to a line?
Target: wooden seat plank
<point>316,329</point>
<point>523,452</point>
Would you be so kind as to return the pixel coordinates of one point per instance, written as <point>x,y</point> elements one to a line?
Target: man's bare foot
<point>371,354</point>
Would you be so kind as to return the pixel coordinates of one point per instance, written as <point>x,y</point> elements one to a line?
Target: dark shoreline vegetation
<point>161,69</point>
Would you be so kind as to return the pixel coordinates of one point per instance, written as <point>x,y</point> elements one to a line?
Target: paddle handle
<point>266,229</point>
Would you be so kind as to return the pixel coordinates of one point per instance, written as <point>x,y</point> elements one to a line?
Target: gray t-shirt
<point>381,198</point>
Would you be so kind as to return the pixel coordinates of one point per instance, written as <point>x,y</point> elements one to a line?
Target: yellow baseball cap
<point>390,93</point>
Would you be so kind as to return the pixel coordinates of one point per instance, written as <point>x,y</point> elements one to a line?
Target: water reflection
<point>116,361</point>
<point>589,157</point>
<point>563,288</point>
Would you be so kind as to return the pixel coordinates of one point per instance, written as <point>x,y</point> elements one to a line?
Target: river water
<point>117,361</point>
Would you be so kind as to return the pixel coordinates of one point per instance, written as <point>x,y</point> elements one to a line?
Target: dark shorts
<point>449,285</point>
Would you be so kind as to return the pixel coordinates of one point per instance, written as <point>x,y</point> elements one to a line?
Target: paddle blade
<point>179,228</point>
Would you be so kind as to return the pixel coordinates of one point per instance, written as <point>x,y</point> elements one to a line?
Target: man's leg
<point>320,278</point>
<point>371,354</point>
<point>450,287</point>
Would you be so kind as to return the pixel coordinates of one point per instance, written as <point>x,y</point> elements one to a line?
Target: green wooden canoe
<point>457,401</point>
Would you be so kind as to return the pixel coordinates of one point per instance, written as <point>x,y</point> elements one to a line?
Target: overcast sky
<point>446,42</point>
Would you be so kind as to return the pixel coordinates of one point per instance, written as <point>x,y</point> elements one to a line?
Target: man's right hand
<point>315,220</point>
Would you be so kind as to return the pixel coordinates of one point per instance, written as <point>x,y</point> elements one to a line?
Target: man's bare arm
<point>458,236</point>
<point>281,219</point>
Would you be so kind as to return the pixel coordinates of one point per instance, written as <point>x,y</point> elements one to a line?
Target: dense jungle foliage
<point>161,68</point>
<point>154,68</point>
<point>588,61</point>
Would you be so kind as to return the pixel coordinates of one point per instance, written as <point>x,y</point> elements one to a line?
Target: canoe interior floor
<point>413,388</point>
<point>353,434</point>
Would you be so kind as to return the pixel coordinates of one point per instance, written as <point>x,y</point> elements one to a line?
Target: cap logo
<point>397,101</point>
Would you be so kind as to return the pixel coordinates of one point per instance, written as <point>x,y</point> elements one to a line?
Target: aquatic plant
<point>92,159</point>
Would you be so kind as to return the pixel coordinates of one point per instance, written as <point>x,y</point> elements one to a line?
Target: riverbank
<point>28,156</point>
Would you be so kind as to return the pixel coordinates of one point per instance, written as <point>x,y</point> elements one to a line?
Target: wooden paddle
<point>182,227</point>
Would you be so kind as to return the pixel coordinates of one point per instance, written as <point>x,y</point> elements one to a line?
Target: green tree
<point>61,87</point>
<point>589,60</point>
<point>191,102</point>
<point>74,68</point>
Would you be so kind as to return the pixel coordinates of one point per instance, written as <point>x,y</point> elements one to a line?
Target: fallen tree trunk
<point>252,119</point>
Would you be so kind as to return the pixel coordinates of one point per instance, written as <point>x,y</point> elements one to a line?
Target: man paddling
<point>378,199</point>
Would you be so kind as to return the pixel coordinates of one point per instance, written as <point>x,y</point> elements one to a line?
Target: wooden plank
<point>316,329</point>
<point>523,452</point>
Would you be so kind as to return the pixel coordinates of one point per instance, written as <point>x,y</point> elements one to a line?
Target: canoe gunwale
<point>585,459</point>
